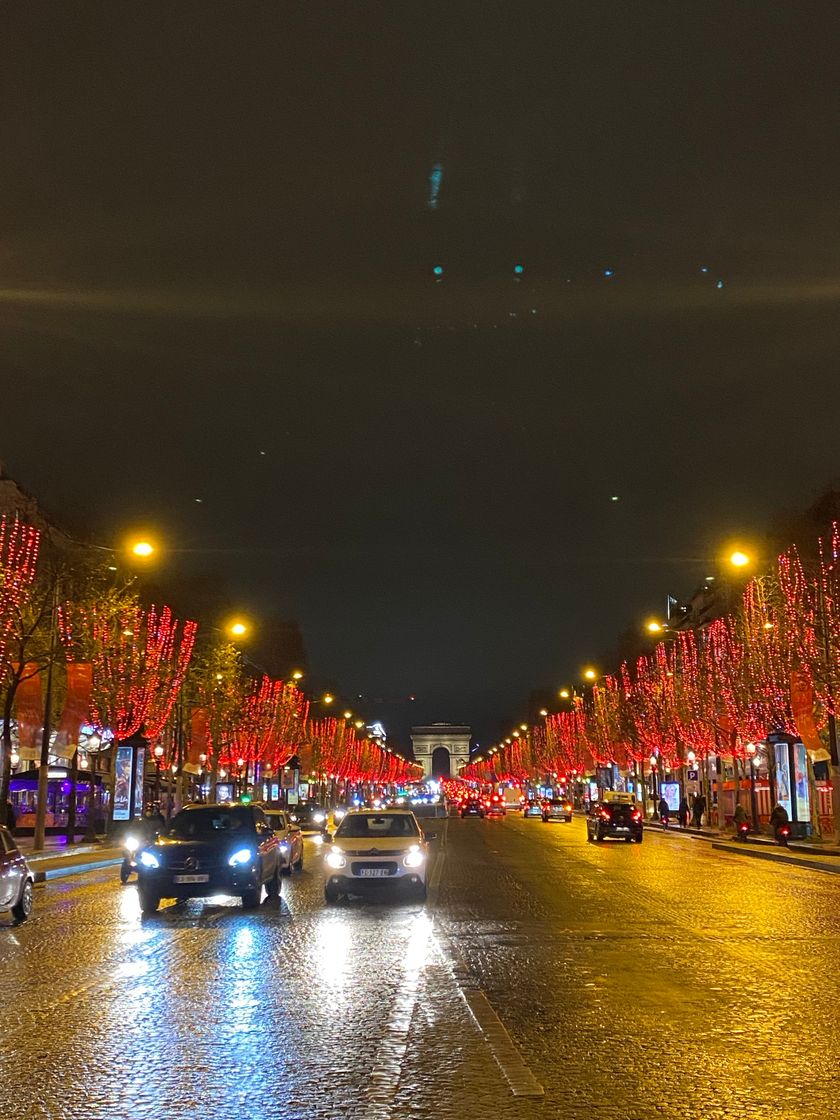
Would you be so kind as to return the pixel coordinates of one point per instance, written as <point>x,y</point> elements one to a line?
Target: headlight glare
<point>131,843</point>
<point>335,859</point>
<point>244,855</point>
<point>149,859</point>
<point>414,857</point>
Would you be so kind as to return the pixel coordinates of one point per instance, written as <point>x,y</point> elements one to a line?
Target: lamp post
<point>202,762</point>
<point>158,753</point>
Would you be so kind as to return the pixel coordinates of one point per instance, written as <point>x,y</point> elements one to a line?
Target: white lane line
<point>514,1070</point>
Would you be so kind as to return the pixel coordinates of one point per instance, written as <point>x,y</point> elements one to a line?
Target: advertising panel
<point>123,779</point>
<point>782,775</point>
<point>671,792</point>
<point>800,776</point>
<point>139,768</point>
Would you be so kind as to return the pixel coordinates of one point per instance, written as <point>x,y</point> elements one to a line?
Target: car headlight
<point>339,814</point>
<point>131,843</point>
<point>319,818</point>
<point>335,859</point>
<point>244,855</point>
<point>149,859</point>
<point>284,847</point>
<point>414,857</point>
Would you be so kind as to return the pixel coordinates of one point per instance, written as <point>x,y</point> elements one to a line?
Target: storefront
<point>23,794</point>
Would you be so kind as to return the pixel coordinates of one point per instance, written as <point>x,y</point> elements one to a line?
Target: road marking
<point>514,1070</point>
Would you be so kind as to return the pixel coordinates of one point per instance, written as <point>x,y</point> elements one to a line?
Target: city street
<point>544,976</point>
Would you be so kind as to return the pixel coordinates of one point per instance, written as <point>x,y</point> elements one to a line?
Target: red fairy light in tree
<point>18,563</point>
<point>138,669</point>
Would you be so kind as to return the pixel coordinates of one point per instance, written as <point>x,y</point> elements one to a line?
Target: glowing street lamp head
<point>297,675</point>
<point>564,694</point>
<point>237,629</point>
<point>654,627</point>
<point>328,698</point>
<point>739,559</point>
<point>142,549</point>
<point>589,674</point>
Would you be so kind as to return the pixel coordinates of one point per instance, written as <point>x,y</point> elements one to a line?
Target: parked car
<point>290,836</point>
<point>375,848</point>
<point>211,849</point>
<point>16,879</point>
<point>618,819</point>
<point>557,810</point>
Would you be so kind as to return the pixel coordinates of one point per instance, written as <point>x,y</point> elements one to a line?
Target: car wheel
<point>638,839</point>
<point>298,864</point>
<point>628,839</point>
<point>331,893</point>
<point>125,871</point>
<point>149,901</point>
<point>250,899</point>
<point>23,908</point>
<point>599,836</point>
<point>420,892</point>
<point>273,885</point>
<point>286,869</point>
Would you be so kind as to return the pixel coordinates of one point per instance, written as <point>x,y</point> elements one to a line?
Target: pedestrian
<point>11,819</point>
<point>155,821</point>
<point>698,809</point>
<point>664,812</point>
<point>683,814</point>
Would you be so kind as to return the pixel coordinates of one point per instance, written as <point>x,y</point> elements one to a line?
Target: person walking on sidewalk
<point>11,819</point>
<point>664,812</point>
<point>698,809</point>
<point>682,815</point>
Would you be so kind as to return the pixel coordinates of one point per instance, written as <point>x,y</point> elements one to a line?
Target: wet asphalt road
<point>660,980</point>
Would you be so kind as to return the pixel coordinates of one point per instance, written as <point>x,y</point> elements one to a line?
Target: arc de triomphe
<point>441,748</point>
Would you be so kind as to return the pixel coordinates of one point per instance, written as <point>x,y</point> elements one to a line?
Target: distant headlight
<point>284,847</point>
<point>339,814</point>
<point>318,817</point>
<point>335,859</point>
<point>131,843</point>
<point>318,838</point>
<point>244,855</point>
<point>292,817</point>
<point>149,859</point>
<point>414,857</point>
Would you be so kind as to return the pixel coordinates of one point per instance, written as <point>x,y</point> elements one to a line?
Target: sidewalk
<point>815,855</point>
<point>59,859</point>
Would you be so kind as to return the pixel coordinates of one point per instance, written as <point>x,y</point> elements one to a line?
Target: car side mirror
<point>429,835</point>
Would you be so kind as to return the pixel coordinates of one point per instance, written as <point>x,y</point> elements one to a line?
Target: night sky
<point>219,224</point>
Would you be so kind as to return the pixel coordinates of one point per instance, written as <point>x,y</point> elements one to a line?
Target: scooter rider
<point>740,819</point>
<point>778,819</point>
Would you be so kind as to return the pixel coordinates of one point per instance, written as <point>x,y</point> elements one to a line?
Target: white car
<point>377,848</point>
<point>291,839</point>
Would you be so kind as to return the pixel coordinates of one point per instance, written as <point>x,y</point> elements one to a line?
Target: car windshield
<point>357,827</point>
<point>202,824</point>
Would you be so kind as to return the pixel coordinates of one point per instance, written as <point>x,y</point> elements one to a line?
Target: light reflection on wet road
<point>664,979</point>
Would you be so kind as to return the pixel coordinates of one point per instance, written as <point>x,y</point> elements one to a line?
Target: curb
<point>775,857</point>
<point>62,872</point>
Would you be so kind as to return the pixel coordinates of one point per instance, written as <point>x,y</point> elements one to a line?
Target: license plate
<point>192,878</point>
<point>621,828</point>
<point>374,872</point>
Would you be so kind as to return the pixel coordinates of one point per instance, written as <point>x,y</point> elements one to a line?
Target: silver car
<point>16,879</point>
<point>291,839</point>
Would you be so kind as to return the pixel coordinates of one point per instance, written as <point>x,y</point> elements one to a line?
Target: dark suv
<point>211,849</point>
<point>619,819</point>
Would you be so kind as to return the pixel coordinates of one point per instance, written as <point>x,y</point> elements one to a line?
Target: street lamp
<point>739,559</point>
<point>589,675</point>
<point>202,762</point>
<point>142,549</point>
<point>237,628</point>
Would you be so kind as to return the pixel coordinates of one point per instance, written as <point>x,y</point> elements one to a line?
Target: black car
<point>472,807</point>
<point>15,879</point>
<point>211,849</point>
<point>309,817</point>
<point>618,819</point>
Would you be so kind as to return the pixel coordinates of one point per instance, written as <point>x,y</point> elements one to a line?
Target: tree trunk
<point>71,802</point>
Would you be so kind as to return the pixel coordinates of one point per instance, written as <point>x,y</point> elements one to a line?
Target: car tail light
<point>568,808</point>
<point>605,816</point>
<point>637,816</point>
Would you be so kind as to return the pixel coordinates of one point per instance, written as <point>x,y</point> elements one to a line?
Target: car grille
<point>375,852</point>
<point>187,862</point>
<point>388,865</point>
